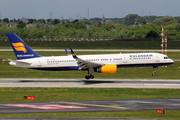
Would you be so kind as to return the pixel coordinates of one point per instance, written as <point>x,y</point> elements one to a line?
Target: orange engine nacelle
<point>108,69</point>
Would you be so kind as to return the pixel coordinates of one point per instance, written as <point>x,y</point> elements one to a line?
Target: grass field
<point>172,44</point>
<point>170,114</point>
<point>73,94</point>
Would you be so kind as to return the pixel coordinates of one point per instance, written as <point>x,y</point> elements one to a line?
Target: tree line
<point>131,26</point>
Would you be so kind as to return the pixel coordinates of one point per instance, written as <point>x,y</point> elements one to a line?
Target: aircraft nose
<point>172,61</point>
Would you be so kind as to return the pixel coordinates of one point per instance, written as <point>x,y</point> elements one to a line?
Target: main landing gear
<point>89,76</point>
<point>154,70</point>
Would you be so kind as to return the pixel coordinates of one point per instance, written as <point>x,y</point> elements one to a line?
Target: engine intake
<point>107,69</point>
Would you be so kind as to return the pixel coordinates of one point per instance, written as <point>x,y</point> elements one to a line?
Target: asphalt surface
<point>95,83</point>
<point>91,106</point>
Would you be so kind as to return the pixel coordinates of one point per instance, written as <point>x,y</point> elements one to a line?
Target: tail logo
<point>19,47</point>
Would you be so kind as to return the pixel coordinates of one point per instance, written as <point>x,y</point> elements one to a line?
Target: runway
<point>95,83</point>
<point>91,106</point>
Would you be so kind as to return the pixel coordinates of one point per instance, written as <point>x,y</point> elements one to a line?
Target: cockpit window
<point>166,57</point>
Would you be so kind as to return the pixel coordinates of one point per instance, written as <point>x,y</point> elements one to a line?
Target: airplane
<point>101,63</point>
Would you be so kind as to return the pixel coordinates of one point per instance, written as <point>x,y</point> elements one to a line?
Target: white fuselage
<point>62,63</point>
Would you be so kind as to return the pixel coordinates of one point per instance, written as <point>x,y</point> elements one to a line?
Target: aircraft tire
<point>92,76</point>
<point>87,77</point>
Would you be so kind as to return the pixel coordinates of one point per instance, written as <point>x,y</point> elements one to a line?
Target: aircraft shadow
<point>86,82</point>
<point>95,81</point>
<point>43,81</point>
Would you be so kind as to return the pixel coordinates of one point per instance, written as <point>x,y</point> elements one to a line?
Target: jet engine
<point>107,69</point>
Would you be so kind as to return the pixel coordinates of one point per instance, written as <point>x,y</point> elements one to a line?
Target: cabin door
<point>157,59</point>
<point>39,64</point>
<point>124,60</point>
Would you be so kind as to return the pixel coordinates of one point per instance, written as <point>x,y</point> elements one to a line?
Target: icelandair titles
<point>28,55</point>
<point>135,56</point>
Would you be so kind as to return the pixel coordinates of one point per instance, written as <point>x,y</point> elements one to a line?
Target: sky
<point>42,9</point>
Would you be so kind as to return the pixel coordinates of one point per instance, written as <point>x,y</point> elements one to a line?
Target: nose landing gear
<point>154,70</point>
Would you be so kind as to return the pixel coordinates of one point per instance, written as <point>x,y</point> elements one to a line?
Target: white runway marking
<point>45,107</point>
<point>163,84</point>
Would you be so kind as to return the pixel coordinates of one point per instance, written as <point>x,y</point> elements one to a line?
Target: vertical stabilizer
<point>21,49</point>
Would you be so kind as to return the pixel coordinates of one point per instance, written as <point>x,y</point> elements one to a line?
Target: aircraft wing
<point>84,64</point>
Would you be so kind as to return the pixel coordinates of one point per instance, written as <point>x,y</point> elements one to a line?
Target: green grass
<point>171,114</point>
<point>8,71</point>
<point>73,94</point>
<point>172,44</point>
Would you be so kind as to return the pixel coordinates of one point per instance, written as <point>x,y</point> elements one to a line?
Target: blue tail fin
<point>21,49</point>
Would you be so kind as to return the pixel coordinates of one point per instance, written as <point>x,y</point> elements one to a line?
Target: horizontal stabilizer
<point>19,63</point>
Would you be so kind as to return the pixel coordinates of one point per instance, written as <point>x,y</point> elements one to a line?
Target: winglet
<point>67,53</point>
<point>73,54</point>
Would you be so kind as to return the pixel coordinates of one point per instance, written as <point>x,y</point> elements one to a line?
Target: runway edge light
<point>161,111</point>
<point>29,97</point>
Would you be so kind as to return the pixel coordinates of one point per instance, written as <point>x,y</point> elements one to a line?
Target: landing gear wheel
<point>89,77</point>
<point>92,76</point>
